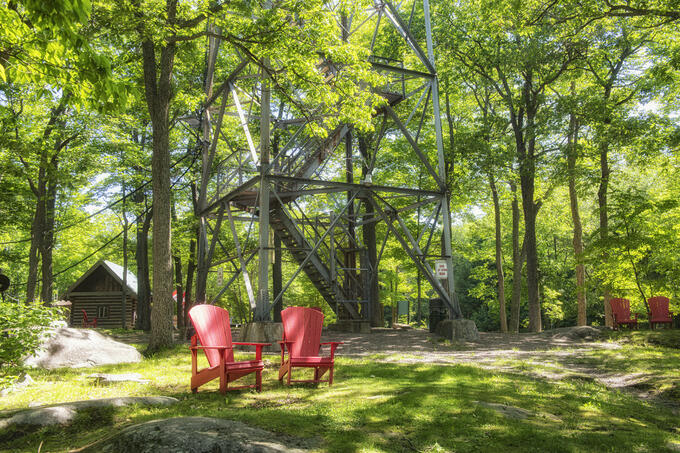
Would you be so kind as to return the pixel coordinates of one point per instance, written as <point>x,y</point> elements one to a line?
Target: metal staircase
<point>319,265</point>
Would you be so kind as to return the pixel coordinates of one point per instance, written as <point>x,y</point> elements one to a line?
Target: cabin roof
<point>115,270</point>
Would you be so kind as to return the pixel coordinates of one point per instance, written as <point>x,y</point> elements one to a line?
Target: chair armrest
<point>284,344</point>
<point>210,347</point>
<point>334,344</point>
<point>258,348</point>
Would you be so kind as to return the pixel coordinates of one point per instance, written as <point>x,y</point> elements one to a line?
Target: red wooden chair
<point>659,312</point>
<point>213,332</point>
<point>621,313</point>
<point>88,322</point>
<point>302,338</point>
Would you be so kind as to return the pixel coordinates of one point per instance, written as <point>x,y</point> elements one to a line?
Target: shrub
<point>21,329</point>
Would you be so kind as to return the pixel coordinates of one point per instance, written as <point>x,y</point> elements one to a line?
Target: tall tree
<point>519,60</point>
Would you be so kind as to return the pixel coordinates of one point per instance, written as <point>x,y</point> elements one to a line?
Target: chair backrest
<point>659,307</point>
<point>302,326</point>
<point>84,316</point>
<point>620,308</point>
<point>212,329</point>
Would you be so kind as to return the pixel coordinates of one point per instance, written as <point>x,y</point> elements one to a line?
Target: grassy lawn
<point>375,407</point>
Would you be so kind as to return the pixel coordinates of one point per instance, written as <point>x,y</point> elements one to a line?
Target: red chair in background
<point>621,313</point>
<point>213,332</point>
<point>88,322</point>
<point>302,339</point>
<point>659,312</point>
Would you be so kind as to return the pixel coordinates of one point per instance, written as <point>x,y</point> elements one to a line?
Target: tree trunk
<point>572,150</point>
<point>277,277</point>
<point>180,293</point>
<point>525,140</point>
<point>33,253</point>
<point>44,188</point>
<point>499,255</point>
<point>158,93</point>
<point>370,240</point>
<point>517,262</point>
<point>191,270</point>
<point>604,220</point>
<point>47,243</point>
<point>143,320</point>
<point>529,209</point>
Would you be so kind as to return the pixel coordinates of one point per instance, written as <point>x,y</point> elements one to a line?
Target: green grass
<point>375,407</point>
<point>669,338</point>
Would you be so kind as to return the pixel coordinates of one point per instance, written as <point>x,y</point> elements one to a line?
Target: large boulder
<point>66,413</point>
<point>576,333</point>
<point>196,435</point>
<point>458,329</point>
<point>80,348</point>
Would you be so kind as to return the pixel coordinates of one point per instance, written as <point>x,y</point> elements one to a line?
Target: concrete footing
<point>263,332</point>
<point>350,326</point>
<point>458,329</point>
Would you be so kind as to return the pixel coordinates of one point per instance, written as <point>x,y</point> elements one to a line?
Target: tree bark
<point>191,270</point>
<point>43,189</point>
<point>370,240</point>
<point>499,255</point>
<point>604,220</point>
<point>47,242</point>
<point>525,141</point>
<point>577,241</point>
<point>614,68</point>
<point>277,277</point>
<point>143,320</point>
<point>517,263</point>
<point>158,93</point>
<point>180,292</point>
<point>33,253</point>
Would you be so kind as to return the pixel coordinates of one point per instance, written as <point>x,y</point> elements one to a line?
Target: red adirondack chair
<point>302,338</point>
<point>88,322</point>
<point>621,313</point>
<point>659,312</point>
<point>213,332</point>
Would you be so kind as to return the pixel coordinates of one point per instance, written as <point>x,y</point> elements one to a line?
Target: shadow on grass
<point>397,407</point>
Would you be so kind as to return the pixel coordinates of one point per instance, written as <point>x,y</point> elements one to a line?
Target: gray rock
<point>577,333</point>
<point>508,411</point>
<point>65,414</point>
<point>80,348</point>
<point>103,379</point>
<point>458,329</point>
<point>195,435</point>
<point>24,381</point>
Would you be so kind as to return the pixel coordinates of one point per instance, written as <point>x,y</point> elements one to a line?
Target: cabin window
<point>102,311</point>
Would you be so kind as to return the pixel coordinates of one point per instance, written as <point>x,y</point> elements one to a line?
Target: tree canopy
<point>561,139</point>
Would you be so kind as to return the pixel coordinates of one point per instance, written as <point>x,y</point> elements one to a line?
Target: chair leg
<point>258,380</point>
<point>283,369</point>
<point>316,374</point>
<point>290,373</point>
<point>330,376</point>
<point>223,381</point>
